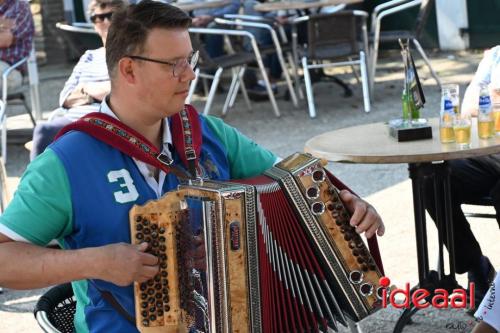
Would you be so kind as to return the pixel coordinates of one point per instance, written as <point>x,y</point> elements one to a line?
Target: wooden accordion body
<point>280,256</point>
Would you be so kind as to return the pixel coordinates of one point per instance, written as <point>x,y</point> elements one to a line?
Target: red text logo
<point>420,298</point>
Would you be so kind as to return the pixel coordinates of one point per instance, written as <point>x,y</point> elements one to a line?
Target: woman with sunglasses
<point>87,85</point>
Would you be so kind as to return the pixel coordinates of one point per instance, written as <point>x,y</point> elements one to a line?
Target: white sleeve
<point>489,309</point>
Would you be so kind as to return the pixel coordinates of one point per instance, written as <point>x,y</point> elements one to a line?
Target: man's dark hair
<point>130,28</point>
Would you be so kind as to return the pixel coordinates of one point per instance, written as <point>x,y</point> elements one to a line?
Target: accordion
<point>274,253</point>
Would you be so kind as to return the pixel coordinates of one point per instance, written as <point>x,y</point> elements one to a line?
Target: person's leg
<point>469,179</point>
<point>44,134</point>
<point>214,44</point>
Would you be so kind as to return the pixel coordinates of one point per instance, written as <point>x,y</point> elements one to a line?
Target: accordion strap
<point>372,242</point>
<point>186,139</point>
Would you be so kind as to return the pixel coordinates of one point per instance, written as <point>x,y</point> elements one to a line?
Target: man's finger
<point>142,247</point>
<point>149,259</point>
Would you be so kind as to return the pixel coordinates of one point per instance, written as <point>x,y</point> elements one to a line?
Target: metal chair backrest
<point>423,15</point>
<point>55,310</point>
<point>338,32</point>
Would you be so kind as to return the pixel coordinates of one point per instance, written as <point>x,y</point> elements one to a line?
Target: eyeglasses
<point>178,67</point>
<point>98,18</point>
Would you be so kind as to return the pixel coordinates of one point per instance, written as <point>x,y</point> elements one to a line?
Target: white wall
<point>451,17</point>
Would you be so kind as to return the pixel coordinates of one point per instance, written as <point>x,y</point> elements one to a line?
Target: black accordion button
<point>366,289</point>
<point>152,317</point>
<point>139,236</point>
<point>162,230</point>
<point>154,226</point>
<point>318,175</point>
<point>167,307</point>
<point>145,322</point>
<point>145,222</point>
<point>138,218</point>
<point>144,313</point>
<point>138,227</point>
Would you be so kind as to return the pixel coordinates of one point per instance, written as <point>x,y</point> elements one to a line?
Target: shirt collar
<point>167,136</point>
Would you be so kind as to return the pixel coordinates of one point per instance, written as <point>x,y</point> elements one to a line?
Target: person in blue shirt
<point>80,190</point>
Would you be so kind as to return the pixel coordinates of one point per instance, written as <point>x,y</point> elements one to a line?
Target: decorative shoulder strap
<point>372,242</point>
<point>111,131</point>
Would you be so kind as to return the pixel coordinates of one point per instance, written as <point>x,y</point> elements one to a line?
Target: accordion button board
<point>278,254</point>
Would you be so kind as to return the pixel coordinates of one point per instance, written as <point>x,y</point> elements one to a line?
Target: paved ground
<point>385,186</point>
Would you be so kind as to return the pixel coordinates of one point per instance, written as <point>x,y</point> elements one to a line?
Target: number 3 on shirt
<point>123,178</point>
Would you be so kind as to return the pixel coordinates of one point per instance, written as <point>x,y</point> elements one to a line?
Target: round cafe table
<point>427,159</point>
<point>189,6</point>
<point>300,5</point>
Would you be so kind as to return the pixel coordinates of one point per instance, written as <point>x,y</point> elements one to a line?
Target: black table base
<point>437,175</point>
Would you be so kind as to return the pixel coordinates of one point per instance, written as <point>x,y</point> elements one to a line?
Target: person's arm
<point>6,39</point>
<point>79,91</point>
<point>28,266</point>
<point>24,28</point>
<point>87,93</point>
<point>482,76</point>
<point>40,211</point>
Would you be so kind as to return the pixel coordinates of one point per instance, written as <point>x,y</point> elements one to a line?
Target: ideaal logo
<point>441,297</point>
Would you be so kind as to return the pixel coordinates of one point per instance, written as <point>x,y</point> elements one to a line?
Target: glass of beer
<point>496,117</point>
<point>485,125</point>
<point>446,133</point>
<point>462,129</point>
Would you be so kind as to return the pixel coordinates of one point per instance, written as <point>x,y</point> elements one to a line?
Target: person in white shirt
<point>88,84</point>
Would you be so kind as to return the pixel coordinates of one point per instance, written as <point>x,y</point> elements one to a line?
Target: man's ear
<point>127,69</point>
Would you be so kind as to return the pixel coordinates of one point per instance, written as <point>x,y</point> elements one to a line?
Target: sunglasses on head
<point>101,17</point>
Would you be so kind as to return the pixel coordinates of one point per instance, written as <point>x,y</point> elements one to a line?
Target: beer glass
<point>485,125</point>
<point>462,128</point>
<point>496,117</point>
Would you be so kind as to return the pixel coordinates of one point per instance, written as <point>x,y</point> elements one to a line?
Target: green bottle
<point>405,105</point>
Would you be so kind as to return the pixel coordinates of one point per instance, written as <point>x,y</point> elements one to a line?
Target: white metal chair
<point>332,37</point>
<point>34,94</point>
<point>258,22</point>
<point>389,8</point>
<point>236,61</point>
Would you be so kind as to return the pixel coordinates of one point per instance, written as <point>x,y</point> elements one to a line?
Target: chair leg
<point>231,91</point>
<point>213,90</point>
<point>427,62</point>
<point>3,129</point>
<point>309,92</point>
<point>285,72</point>
<point>364,81</point>
<point>239,83</point>
<point>192,86</point>
<point>354,71</point>
<point>244,89</point>
<point>265,78</point>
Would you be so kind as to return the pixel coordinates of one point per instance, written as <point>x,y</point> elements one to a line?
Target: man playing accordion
<point>80,190</point>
